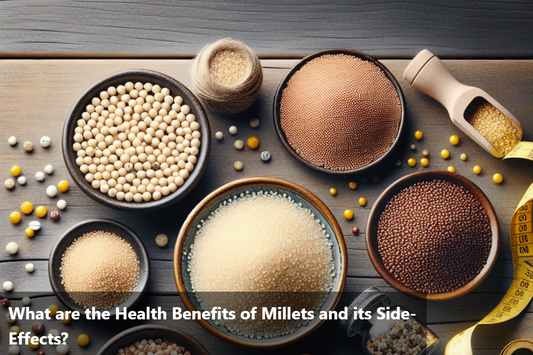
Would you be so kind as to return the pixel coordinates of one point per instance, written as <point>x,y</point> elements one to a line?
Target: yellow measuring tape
<point>521,291</point>
<point>517,345</point>
<point>523,150</point>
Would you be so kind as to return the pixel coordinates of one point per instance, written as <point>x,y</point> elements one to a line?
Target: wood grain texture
<point>35,97</point>
<point>167,28</point>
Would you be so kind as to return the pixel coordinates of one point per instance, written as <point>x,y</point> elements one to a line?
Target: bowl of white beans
<point>136,140</point>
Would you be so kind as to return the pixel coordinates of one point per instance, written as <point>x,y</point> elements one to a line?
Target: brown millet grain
<point>340,112</point>
<point>99,269</point>
<point>434,236</point>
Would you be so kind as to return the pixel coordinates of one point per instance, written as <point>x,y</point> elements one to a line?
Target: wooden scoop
<point>428,74</point>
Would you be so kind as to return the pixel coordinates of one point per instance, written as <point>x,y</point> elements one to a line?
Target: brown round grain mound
<point>434,236</point>
<point>340,112</point>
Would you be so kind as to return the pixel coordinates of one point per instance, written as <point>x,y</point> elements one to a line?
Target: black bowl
<point>89,226</point>
<point>298,66</point>
<point>119,78</point>
<point>138,333</point>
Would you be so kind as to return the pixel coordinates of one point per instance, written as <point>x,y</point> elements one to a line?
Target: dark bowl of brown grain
<point>433,235</point>
<point>339,111</point>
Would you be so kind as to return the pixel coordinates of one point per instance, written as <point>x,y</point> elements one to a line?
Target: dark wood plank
<point>35,97</point>
<point>165,28</point>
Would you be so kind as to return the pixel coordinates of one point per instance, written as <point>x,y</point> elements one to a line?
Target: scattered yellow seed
<point>464,157</point>
<point>15,217</point>
<point>411,162</point>
<point>83,339</point>
<point>41,211</point>
<point>253,142</point>
<point>418,135</point>
<point>497,178</point>
<point>477,169</point>
<point>451,169</point>
<point>362,201</point>
<point>424,162</point>
<point>26,207</point>
<point>14,329</point>
<point>353,185</point>
<point>445,154</point>
<point>30,233</point>
<point>33,344</point>
<point>15,170</point>
<point>333,191</point>
<point>53,308</point>
<point>63,186</point>
<point>454,140</point>
<point>348,214</point>
<point>66,318</point>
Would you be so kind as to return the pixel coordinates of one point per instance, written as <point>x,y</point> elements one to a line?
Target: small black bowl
<point>119,78</point>
<point>89,226</point>
<point>138,333</point>
<point>298,66</point>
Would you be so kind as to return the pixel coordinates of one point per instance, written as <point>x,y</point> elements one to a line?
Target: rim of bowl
<point>223,190</point>
<point>177,88</point>
<point>298,66</point>
<point>409,180</point>
<point>138,331</point>
<point>72,233</point>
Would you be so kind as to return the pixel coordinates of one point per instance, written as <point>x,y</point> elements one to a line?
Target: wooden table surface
<point>488,45</point>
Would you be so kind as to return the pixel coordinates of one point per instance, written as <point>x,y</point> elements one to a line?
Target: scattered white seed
<point>54,332</point>
<point>45,141</point>
<point>51,191</point>
<point>62,349</point>
<point>8,286</point>
<point>254,122</point>
<point>12,248</point>
<point>61,204</point>
<point>238,165</point>
<point>219,136</point>
<point>12,140</point>
<point>265,155</point>
<point>161,240</point>
<point>21,180</point>
<point>35,225</point>
<point>238,144</point>
<point>30,267</point>
<point>233,130</point>
<point>49,169</point>
<point>14,350</point>
<point>9,184</point>
<point>8,316</point>
<point>39,176</point>
<point>26,301</point>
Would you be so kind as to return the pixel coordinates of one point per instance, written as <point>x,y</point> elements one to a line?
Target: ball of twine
<point>221,98</point>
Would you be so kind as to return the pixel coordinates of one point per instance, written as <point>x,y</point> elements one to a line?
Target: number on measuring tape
<point>523,228</point>
<point>523,238</point>
<point>524,284</point>
<point>525,250</point>
<point>514,301</point>
<point>519,293</point>
<point>525,208</point>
